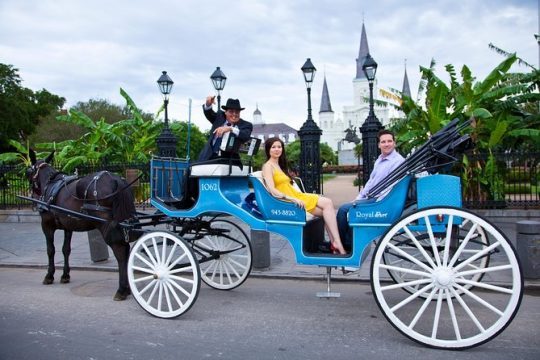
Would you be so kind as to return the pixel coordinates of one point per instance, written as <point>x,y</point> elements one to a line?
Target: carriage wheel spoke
<point>171,253</point>
<point>404,270</point>
<point>181,288</point>
<point>452,314</point>
<point>156,251</point>
<point>405,284</point>
<point>419,247</point>
<point>176,298</point>
<point>144,270</point>
<point>432,241</point>
<point>448,237</point>
<point>148,286</point>
<point>180,258</point>
<point>149,255</point>
<point>483,252</point>
<point>423,308</point>
<point>499,289</point>
<point>462,246</point>
<point>437,314</point>
<point>411,298</point>
<point>467,310</point>
<point>409,257</point>
<point>479,300</point>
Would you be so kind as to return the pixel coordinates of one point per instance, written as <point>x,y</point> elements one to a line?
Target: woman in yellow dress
<point>275,174</point>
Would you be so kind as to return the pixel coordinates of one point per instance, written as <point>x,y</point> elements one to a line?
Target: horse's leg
<point>66,250</point>
<point>49,237</point>
<point>121,252</point>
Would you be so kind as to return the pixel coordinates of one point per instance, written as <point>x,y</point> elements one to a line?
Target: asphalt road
<point>262,319</point>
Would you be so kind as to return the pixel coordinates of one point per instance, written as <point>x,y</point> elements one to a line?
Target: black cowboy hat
<point>233,104</point>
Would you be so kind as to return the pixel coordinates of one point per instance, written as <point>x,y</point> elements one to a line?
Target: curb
<point>531,286</point>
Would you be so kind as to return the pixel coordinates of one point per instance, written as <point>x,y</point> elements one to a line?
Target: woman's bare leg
<point>325,209</point>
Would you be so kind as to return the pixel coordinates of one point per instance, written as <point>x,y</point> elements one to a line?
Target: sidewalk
<point>22,244</point>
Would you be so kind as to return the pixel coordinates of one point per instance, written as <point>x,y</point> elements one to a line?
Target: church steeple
<point>326,106</point>
<point>406,89</point>
<point>257,116</point>
<point>362,53</point>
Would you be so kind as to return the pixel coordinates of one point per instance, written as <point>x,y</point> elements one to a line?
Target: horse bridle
<point>36,189</point>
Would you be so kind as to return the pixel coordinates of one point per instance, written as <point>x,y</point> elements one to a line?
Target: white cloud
<point>82,50</point>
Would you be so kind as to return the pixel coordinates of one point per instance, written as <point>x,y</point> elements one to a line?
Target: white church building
<point>333,130</point>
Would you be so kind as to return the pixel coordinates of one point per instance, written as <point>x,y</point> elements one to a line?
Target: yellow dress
<point>283,183</point>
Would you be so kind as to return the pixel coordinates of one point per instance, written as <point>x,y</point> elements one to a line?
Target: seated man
<point>227,121</point>
<point>387,161</point>
<point>222,123</point>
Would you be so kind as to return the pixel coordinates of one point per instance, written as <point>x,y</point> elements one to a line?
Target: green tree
<point>21,109</point>
<point>497,107</point>
<point>129,140</point>
<point>196,142</point>
<point>326,153</point>
<point>51,130</point>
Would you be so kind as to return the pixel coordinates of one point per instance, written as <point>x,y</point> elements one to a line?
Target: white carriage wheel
<point>233,265</point>
<point>164,275</point>
<point>451,308</point>
<point>477,242</point>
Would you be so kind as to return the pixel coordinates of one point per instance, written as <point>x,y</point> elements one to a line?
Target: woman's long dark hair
<point>282,161</point>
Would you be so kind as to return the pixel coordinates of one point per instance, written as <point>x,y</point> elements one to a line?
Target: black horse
<point>101,194</point>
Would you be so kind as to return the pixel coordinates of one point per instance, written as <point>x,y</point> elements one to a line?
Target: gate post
<point>99,251</point>
<point>528,247</point>
<point>260,241</point>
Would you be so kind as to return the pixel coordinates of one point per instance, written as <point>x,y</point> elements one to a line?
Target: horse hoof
<point>64,279</point>
<point>48,280</point>
<point>119,296</point>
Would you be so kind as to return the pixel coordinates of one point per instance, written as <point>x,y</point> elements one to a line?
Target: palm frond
<point>504,53</point>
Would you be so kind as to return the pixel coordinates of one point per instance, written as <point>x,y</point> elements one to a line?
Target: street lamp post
<point>371,126</point>
<point>310,136</point>
<point>218,80</point>
<point>166,141</point>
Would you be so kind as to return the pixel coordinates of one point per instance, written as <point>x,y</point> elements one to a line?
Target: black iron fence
<point>13,181</point>
<point>502,180</point>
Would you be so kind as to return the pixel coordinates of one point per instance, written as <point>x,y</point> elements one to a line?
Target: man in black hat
<point>223,122</point>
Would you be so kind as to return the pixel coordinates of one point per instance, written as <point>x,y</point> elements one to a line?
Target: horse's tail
<point>123,204</point>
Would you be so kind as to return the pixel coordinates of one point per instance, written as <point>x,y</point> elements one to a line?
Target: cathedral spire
<point>326,106</point>
<point>406,89</point>
<point>362,53</point>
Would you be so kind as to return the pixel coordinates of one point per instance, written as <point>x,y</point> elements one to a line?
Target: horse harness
<point>57,181</point>
<point>92,188</point>
<point>53,186</point>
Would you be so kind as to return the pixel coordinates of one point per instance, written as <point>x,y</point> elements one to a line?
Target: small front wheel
<point>225,256</point>
<point>164,274</point>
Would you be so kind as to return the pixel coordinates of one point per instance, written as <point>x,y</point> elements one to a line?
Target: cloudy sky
<point>90,49</point>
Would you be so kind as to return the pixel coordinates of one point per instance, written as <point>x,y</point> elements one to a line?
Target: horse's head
<point>40,172</point>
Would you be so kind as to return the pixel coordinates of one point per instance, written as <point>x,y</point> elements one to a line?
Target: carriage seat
<point>214,168</point>
<point>199,170</point>
<point>273,208</point>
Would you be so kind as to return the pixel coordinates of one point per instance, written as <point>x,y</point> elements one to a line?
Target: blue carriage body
<point>243,195</point>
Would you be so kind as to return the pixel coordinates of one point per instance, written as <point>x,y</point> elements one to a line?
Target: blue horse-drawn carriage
<point>441,275</point>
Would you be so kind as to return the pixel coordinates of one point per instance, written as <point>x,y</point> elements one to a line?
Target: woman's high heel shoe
<point>335,251</point>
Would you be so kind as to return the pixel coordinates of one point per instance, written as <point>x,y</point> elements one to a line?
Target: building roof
<point>406,89</point>
<point>266,129</point>
<point>362,54</point>
<point>326,106</point>
<point>257,111</point>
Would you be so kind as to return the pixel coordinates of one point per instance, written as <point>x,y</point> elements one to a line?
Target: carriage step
<point>328,293</point>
